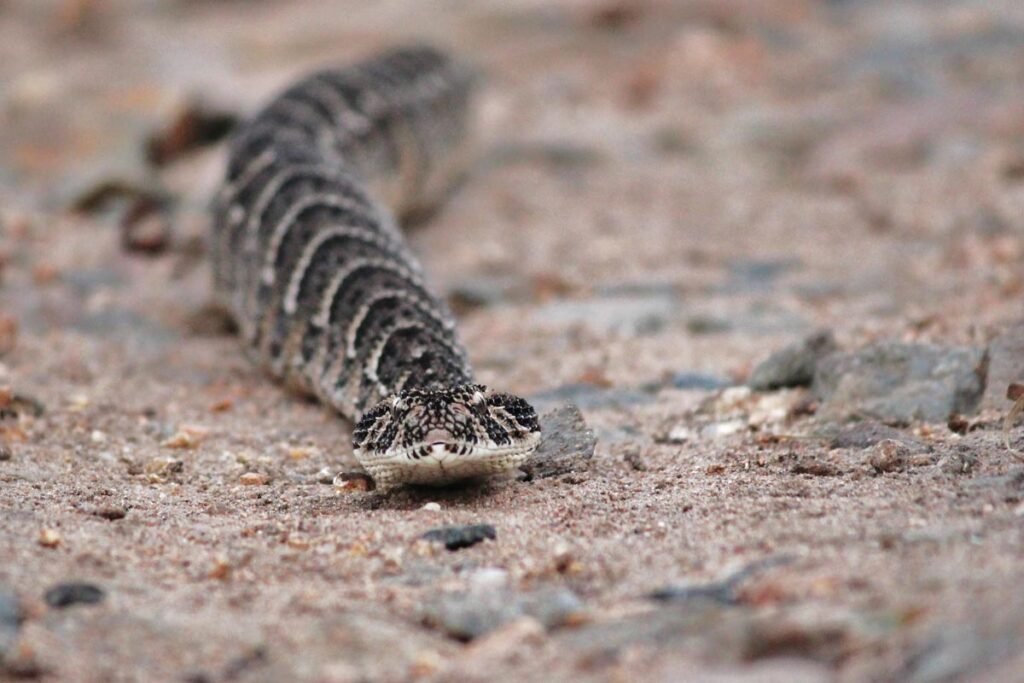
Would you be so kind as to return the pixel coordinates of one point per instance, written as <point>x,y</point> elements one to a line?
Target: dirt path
<point>668,192</point>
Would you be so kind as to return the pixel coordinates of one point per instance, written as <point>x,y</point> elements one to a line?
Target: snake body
<point>308,258</point>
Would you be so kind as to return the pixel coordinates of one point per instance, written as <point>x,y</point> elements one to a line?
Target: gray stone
<point>794,365</point>
<point>73,593</point>
<point>459,537</point>
<point>866,434</point>
<point>1006,365</point>
<point>486,290</point>
<point>956,654</point>
<point>567,445</point>
<point>1009,486</point>
<point>698,381</point>
<point>471,614</point>
<point>901,382</point>
<point>11,616</point>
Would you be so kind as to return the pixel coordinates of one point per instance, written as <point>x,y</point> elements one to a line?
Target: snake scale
<point>308,258</point>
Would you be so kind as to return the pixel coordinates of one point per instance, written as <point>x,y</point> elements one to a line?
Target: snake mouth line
<point>440,451</point>
<point>439,465</point>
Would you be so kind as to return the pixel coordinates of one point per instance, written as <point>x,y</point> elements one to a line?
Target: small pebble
<point>5,452</point>
<point>488,579</point>
<point>300,452</point>
<point>73,593</point>
<point>720,430</point>
<point>188,437</point>
<point>253,479</point>
<point>162,467</point>
<point>349,482</point>
<point>431,507</point>
<point>146,227</point>
<point>49,538</point>
<point>221,569</point>
<point>888,455</point>
<point>458,537</point>
<point>222,405</point>
<point>110,513</point>
<point>472,614</point>
<point>680,434</point>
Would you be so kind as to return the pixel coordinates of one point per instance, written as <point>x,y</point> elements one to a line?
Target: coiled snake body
<point>309,260</point>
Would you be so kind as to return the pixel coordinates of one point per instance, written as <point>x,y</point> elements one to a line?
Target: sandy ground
<point>667,190</point>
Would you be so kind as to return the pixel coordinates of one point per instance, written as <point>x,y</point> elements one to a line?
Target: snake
<point>309,259</point>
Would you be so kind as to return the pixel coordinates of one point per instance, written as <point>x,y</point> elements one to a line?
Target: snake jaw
<point>443,435</point>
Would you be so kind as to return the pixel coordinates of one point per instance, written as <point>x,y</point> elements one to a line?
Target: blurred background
<point>860,159</point>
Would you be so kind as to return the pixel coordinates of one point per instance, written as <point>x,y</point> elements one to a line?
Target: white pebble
<point>488,579</point>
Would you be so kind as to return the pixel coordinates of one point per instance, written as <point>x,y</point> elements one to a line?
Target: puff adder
<point>328,298</point>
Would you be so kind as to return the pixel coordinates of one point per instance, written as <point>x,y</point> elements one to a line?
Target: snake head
<point>434,436</point>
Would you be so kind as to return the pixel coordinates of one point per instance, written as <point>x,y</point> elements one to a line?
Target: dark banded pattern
<point>310,261</point>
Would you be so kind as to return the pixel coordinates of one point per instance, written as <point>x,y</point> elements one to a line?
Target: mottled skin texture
<point>328,298</point>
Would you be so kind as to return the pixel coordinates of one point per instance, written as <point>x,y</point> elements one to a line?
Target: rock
<point>1009,486</point>
<point>98,191</point>
<point>11,618</point>
<point>701,626</point>
<point>13,405</point>
<point>824,640</point>
<point>471,614</point>
<point>349,482</point>
<point>721,430</point>
<point>697,381</point>
<point>211,320</point>
<point>196,124</point>
<point>958,462</point>
<point>1006,365</point>
<point>567,444</point>
<point>866,434</point>
<point>73,593</point>
<point>146,227</point>
<point>484,290</point>
<point>488,579</point>
<point>960,653</point>
<point>758,275</point>
<point>888,455</point>
<point>677,434</point>
<point>724,591</point>
<point>49,538</point>
<point>458,537</point>
<point>794,365</point>
<point>111,513</point>
<point>901,382</point>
